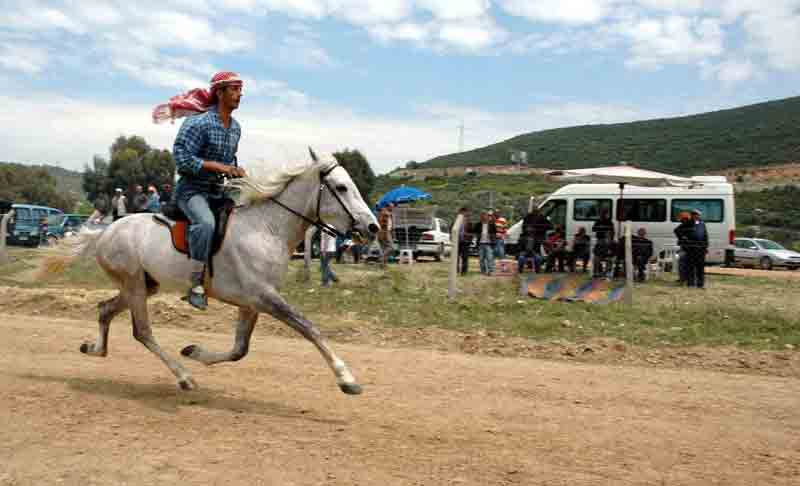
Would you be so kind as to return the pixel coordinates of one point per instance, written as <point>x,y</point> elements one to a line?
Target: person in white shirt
<point>327,252</point>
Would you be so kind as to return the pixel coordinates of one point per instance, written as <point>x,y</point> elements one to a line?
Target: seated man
<point>556,250</point>
<point>641,250</point>
<point>528,254</point>
<point>580,249</point>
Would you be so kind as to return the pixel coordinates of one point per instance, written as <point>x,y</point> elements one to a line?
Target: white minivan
<point>655,209</point>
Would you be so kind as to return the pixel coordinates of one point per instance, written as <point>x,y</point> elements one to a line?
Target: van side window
<point>642,210</point>
<point>590,209</point>
<point>712,209</point>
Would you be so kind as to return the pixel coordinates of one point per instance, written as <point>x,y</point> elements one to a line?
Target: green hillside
<point>754,135</point>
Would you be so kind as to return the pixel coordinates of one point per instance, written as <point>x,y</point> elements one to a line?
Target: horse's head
<point>340,202</point>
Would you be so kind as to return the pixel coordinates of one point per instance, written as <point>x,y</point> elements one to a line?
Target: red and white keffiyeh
<point>198,100</point>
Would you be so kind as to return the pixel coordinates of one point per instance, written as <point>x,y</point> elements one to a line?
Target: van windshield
<point>556,211</point>
<point>22,214</point>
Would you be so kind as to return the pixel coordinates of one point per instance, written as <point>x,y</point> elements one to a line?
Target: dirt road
<point>426,418</point>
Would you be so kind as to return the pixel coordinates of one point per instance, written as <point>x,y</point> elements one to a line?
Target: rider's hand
<point>238,172</point>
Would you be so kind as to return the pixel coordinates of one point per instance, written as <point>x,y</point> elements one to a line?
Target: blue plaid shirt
<point>203,137</point>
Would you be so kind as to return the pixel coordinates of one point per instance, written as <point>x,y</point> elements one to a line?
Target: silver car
<point>765,254</point>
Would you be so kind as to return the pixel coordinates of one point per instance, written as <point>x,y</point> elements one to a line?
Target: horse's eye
<point>341,188</point>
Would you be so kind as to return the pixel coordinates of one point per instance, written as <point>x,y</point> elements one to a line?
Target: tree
<point>412,164</point>
<point>33,185</point>
<point>359,169</point>
<point>132,162</point>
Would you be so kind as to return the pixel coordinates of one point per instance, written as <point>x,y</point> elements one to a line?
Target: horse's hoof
<point>187,384</point>
<point>188,350</point>
<point>351,388</point>
<point>85,348</point>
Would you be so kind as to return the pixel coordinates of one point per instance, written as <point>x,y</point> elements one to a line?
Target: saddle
<point>178,224</point>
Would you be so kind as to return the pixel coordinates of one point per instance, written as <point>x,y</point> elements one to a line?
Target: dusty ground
<point>426,418</point>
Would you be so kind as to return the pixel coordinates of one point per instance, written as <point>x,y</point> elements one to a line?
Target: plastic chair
<point>667,256</point>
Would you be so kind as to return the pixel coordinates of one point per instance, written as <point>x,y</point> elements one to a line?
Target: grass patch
<point>753,313</point>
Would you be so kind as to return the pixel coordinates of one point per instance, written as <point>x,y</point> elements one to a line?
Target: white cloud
<point>559,11</point>
<point>731,71</point>
<point>24,58</point>
<point>455,9</point>
<point>670,40</point>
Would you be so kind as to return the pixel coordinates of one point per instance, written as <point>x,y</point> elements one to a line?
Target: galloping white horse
<point>137,253</point>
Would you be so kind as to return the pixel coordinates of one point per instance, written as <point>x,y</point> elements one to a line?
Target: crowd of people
<point>545,247</point>
<point>121,204</point>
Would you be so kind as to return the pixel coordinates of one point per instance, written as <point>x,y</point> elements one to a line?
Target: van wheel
<point>765,263</point>
<point>438,255</point>
<point>52,240</point>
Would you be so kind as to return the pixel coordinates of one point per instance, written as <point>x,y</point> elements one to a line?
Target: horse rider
<point>205,151</point>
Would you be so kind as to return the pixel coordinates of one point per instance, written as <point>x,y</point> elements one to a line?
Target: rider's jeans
<point>201,231</point>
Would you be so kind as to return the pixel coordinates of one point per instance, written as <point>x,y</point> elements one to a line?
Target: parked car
<point>764,254</point>
<point>25,227</point>
<point>422,232</point>
<point>60,225</point>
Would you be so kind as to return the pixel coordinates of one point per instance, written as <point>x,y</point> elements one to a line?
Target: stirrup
<point>197,300</point>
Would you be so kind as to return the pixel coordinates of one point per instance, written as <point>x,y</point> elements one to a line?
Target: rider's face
<point>230,96</point>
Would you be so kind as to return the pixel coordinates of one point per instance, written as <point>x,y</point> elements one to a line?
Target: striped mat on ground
<point>573,288</point>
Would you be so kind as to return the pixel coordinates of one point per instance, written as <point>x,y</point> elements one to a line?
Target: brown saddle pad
<point>178,225</point>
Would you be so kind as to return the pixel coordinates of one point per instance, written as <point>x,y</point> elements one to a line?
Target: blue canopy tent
<point>400,195</point>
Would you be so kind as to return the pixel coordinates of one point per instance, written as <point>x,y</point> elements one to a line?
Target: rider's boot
<point>197,292</point>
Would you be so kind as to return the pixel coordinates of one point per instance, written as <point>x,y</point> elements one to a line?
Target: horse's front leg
<point>274,305</point>
<point>241,344</point>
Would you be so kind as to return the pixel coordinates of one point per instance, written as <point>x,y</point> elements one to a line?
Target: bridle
<point>323,226</point>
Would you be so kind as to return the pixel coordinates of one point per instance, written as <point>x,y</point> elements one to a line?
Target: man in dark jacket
<point>536,225</point>
<point>642,251</point>
<point>603,230</point>
<point>696,249</point>
<point>682,234</point>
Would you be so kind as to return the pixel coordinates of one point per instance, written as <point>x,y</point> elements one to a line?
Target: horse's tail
<point>3,232</point>
<point>69,251</point>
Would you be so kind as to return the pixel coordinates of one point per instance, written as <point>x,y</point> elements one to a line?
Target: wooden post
<point>455,235</point>
<point>628,265</point>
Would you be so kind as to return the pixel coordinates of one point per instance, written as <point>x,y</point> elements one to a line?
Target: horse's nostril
<point>373,228</point>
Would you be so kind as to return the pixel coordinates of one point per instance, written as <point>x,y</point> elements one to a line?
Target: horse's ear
<point>313,155</point>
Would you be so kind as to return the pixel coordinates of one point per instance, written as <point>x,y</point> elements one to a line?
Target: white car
<point>765,254</point>
<point>436,241</point>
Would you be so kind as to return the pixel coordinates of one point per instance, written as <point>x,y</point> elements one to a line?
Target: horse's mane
<point>259,187</point>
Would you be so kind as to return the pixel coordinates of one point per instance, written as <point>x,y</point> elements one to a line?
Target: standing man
<point>385,233</point>
<point>501,224</point>
<point>696,249</point>
<point>486,232</point>
<point>327,252</point>
<point>205,151</point>
<point>682,233</point>
<point>603,230</point>
<point>536,225</point>
<point>139,200</point>
<point>121,204</point>
<point>166,194</point>
<point>153,200</point>
<point>464,241</point>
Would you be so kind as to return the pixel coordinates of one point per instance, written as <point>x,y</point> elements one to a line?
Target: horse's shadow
<point>167,398</point>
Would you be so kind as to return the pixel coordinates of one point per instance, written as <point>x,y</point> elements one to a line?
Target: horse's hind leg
<point>276,306</point>
<point>137,301</point>
<point>241,344</point>
<point>108,309</point>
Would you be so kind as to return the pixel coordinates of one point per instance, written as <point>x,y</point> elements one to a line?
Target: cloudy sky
<point>393,78</point>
